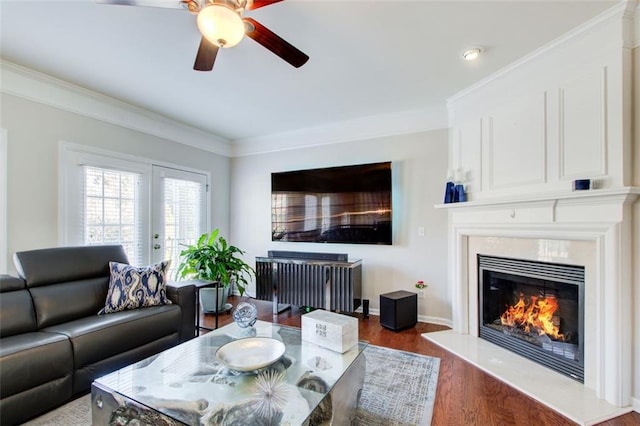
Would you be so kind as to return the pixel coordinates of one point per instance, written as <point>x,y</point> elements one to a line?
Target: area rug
<point>399,389</point>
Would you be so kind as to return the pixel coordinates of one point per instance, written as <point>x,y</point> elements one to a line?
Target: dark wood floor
<point>465,395</point>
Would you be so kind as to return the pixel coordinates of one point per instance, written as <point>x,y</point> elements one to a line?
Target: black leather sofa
<point>52,342</point>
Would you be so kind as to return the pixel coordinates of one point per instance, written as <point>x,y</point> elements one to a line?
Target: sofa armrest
<point>184,294</point>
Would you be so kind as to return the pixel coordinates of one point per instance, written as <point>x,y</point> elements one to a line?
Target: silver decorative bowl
<point>245,314</point>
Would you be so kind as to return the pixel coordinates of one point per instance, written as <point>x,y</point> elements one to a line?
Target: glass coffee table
<point>187,384</point>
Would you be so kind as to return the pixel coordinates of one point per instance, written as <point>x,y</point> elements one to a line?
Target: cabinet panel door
<point>582,119</point>
<point>517,142</point>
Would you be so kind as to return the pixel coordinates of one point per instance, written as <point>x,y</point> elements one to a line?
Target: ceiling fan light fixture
<point>221,25</point>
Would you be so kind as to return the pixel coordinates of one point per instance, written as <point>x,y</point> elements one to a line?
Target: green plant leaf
<point>212,258</point>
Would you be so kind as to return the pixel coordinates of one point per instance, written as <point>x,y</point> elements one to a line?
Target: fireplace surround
<point>587,228</point>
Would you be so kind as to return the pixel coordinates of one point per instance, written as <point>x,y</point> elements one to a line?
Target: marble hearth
<point>590,229</point>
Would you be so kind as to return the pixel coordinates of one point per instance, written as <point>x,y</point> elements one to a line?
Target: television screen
<point>348,204</point>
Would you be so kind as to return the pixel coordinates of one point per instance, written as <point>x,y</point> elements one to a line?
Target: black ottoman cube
<point>398,310</point>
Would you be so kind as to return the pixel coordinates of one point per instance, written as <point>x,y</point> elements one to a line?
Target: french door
<point>179,212</point>
<point>147,208</point>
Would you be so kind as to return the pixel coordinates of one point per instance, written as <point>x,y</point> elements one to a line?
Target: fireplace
<point>535,309</point>
<point>593,229</point>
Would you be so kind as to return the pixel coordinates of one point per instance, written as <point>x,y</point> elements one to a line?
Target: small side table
<point>200,284</point>
<point>398,310</point>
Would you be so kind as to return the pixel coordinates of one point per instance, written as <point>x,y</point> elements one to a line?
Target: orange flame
<point>537,315</point>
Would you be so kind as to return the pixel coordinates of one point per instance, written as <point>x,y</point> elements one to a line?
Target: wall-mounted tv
<point>347,204</point>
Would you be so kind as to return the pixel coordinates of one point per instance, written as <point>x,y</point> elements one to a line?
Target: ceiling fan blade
<point>256,4</point>
<point>170,4</point>
<point>206,56</point>
<point>275,43</point>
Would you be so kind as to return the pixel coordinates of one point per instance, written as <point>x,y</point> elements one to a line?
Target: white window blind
<point>111,210</point>
<point>183,216</point>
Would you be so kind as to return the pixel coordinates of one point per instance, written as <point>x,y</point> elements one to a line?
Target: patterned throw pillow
<point>131,287</point>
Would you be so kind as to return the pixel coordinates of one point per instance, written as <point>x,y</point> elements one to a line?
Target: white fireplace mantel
<point>603,217</point>
<point>578,197</point>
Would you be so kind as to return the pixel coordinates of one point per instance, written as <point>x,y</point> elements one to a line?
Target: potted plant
<point>213,259</point>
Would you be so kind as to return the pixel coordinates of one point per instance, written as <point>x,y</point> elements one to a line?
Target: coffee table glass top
<point>188,384</point>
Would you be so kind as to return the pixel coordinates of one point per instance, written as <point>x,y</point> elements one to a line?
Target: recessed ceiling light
<point>471,54</point>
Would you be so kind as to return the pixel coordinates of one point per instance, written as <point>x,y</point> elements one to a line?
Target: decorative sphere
<point>245,314</point>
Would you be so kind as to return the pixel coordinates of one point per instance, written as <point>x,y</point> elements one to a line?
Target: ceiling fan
<point>223,25</point>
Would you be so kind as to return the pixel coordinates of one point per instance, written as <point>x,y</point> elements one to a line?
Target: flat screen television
<point>347,204</point>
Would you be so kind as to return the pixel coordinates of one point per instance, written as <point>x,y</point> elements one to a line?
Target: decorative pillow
<point>132,287</point>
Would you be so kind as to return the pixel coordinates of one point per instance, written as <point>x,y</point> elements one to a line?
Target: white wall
<point>419,172</point>
<point>636,223</point>
<point>34,131</point>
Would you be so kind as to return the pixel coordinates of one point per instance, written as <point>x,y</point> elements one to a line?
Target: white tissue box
<point>330,330</point>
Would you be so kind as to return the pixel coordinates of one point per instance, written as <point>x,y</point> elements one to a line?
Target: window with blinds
<point>111,214</point>
<point>111,198</point>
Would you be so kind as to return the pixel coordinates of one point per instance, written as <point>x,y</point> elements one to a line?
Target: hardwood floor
<point>465,395</point>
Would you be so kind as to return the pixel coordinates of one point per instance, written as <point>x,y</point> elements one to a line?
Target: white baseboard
<point>376,312</point>
<point>435,320</point>
<point>635,403</point>
<point>421,318</point>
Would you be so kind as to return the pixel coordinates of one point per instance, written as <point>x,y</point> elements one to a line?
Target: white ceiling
<point>368,58</point>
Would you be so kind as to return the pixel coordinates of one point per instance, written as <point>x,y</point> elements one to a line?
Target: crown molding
<point>35,86</point>
<point>371,127</point>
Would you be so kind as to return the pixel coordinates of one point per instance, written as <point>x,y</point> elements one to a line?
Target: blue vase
<point>449,192</point>
<point>460,196</point>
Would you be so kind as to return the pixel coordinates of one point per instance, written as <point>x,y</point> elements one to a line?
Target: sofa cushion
<point>17,408</point>
<point>133,287</point>
<point>64,264</point>
<point>32,359</point>
<point>68,301</point>
<point>99,337</point>
<point>16,313</point>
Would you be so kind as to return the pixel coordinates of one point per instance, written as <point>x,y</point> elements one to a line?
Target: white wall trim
<point>635,403</point>
<point>127,157</point>
<point>636,26</point>
<point>4,162</point>
<point>42,88</point>
<point>371,127</point>
<point>435,320</point>
<point>421,318</point>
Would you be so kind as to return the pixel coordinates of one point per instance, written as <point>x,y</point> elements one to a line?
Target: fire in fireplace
<point>534,309</point>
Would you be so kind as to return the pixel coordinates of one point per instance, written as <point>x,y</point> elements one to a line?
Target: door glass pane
<point>110,213</point>
<point>184,210</point>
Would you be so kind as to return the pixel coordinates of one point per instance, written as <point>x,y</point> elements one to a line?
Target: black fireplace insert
<point>535,309</point>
